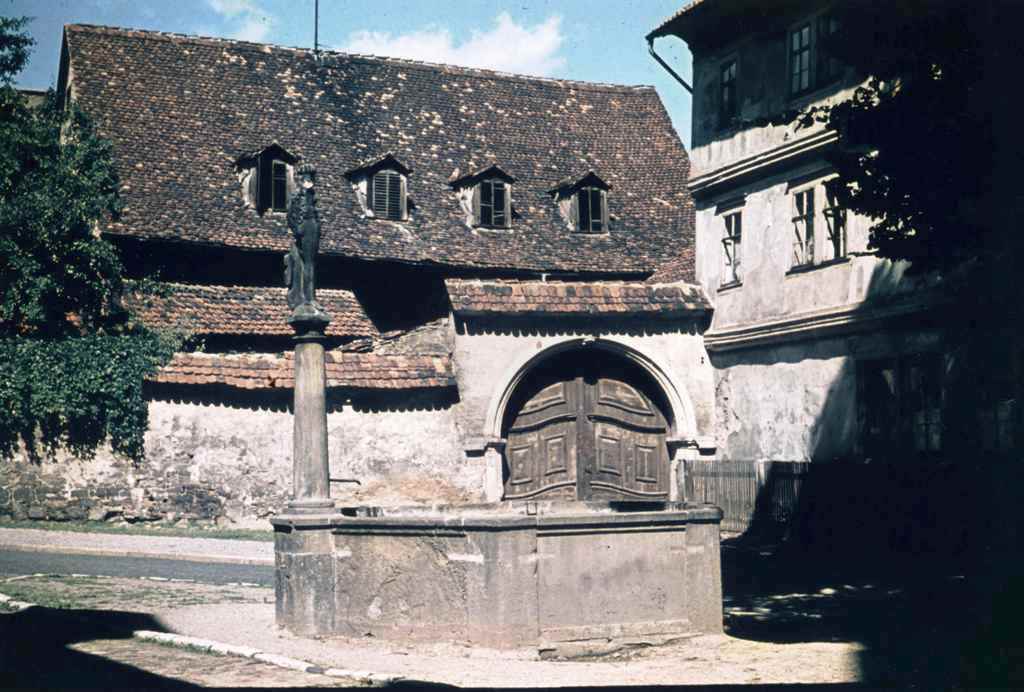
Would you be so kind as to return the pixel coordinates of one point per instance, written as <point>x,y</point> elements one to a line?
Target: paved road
<point>21,562</point>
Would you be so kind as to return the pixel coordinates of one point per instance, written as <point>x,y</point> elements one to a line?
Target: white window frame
<point>480,206</point>
<point>732,246</point>
<point>803,227</point>
<point>815,80</point>
<point>587,193</point>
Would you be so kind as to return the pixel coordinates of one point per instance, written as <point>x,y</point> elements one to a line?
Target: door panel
<point>587,437</point>
<point>632,458</point>
<point>541,448</point>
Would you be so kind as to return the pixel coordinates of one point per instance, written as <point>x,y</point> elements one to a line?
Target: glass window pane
<point>485,192</point>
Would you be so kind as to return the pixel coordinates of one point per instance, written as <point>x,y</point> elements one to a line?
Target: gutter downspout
<point>650,49</point>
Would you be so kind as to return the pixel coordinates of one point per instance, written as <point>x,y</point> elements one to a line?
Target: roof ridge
<point>409,62</point>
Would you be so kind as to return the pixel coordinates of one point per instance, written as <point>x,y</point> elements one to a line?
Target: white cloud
<point>250,21</point>
<point>509,47</point>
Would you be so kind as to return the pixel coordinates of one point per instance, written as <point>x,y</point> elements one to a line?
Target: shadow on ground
<point>34,650</point>
<point>925,622</point>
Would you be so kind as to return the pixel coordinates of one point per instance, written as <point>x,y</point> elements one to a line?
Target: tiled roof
<point>661,29</point>
<point>243,310</point>
<point>180,111</point>
<point>681,268</point>
<point>564,298</point>
<point>348,370</point>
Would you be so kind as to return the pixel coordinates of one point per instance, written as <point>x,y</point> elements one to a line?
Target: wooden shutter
<point>508,206</point>
<point>476,205</point>
<point>396,197</point>
<point>499,204</point>
<point>252,183</point>
<point>379,194</point>
<point>291,186</point>
<point>265,186</point>
<point>604,211</point>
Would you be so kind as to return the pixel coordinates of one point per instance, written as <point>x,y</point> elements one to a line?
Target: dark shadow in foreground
<point>34,650</point>
<point>918,564</point>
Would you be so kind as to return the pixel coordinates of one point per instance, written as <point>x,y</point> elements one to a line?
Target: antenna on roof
<point>316,28</point>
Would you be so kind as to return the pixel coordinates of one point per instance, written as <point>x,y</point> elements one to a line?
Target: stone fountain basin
<point>508,575</point>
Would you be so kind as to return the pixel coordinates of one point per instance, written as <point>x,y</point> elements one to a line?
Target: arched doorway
<point>586,424</point>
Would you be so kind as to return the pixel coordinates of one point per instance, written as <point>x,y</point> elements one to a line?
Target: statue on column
<point>300,262</point>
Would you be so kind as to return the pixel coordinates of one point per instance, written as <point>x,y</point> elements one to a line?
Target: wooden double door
<point>585,429</point>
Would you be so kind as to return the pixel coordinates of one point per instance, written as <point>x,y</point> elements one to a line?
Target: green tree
<point>915,148</point>
<point>71,361</point>
<point>928,150</point>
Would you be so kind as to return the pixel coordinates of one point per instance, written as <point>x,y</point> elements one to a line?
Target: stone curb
<point>211,646</point>
<point>17,605</point>
<point>105,552</point>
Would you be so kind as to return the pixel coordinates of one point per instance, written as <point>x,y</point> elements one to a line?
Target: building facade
<point>488,257</point>
<point>822,351</point>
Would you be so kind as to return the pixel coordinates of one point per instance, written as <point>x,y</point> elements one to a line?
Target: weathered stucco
<point>490,356</point>
<point>208,460</point>
<point>233,465</point>
<point>797,401</point>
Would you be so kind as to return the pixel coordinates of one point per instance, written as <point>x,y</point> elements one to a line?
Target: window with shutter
<point>386,195</point>
<point>591,212</point>
<point>271,181</point>
<point>493,211</point>
<point>279,186</point>
<point>732,237</point>
<point>803,228</point>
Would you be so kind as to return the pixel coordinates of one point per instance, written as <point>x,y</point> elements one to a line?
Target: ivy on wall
<point>72,361</point>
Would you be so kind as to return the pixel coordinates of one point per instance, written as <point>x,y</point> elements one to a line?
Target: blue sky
<point>593,40</point>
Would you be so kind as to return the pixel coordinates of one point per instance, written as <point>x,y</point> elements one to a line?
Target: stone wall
<point>232,464</point>
<point>797,401</point>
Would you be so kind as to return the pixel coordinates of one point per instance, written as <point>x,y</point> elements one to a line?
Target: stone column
<point>311,482</point>
<point>493,487</point>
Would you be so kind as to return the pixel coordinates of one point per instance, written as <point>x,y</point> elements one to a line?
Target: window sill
<point>729,286</point>
<point>804,268</point>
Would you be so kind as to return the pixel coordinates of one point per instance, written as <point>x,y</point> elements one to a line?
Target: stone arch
<point>680,413</point>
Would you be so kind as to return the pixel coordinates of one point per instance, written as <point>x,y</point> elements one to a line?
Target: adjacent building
<point>822,351</point>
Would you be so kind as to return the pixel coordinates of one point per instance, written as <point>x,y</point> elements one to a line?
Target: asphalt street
<point>23,562</point>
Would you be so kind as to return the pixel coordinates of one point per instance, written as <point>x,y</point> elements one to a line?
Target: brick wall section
<point>566,298</point>
<point>268,371</point>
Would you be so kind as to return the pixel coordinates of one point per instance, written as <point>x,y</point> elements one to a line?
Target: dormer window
<point>267,178</point>
<point>592,210</point>
<point>387,196</point>
<point>381,187</point>
<point>486,197</point>
<point>583,203</point>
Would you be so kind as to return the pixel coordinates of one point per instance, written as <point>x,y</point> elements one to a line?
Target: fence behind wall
<point>765,491</point>
<point>907,506</point>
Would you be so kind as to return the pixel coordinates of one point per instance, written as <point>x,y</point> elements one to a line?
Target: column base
<point>310,506</point>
